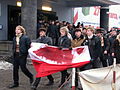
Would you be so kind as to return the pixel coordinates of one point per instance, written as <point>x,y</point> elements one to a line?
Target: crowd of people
<point>106,43</point>
<point>103,46</point>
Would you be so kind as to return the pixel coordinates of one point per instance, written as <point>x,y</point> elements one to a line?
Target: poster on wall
<point>87,16</point>
<point>114,16</point>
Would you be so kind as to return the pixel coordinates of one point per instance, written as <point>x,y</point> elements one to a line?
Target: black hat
<point>77,29</point>
<point>99,31</point>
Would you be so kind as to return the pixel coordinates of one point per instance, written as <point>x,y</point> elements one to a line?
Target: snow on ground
<point>5,65</point>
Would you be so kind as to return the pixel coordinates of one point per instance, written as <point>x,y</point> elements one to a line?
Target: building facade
<point>9,10</point>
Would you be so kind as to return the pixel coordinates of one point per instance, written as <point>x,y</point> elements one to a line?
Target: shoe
<point>33,87</point>
<point>13,86</point>
<point>80,88</point>
<point>31,80</point>
<point>50,83</point>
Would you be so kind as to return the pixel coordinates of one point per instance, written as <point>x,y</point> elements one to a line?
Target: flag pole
<point>114,75</point>
<point>73,78</point>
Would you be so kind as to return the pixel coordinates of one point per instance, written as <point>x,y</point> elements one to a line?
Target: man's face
<point>84,30</point>
<point>42,33</point>
<point>99,34</point>
<point>89,32</point>
<point>18,30</point>
<point>78,34</point>
<point>114,33</point>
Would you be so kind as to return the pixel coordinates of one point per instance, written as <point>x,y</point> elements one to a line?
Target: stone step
<point>2,53</point>
<point>9,59</point>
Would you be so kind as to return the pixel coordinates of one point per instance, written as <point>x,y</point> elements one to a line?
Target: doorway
<point>14,18</point>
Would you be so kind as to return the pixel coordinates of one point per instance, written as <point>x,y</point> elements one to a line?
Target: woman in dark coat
<point>116,49</point>
<point>64,42</point>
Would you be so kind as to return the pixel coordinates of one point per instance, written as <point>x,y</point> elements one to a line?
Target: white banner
<point>100,79</point>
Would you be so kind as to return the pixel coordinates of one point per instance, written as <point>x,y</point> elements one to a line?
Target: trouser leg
<point>16,69</point>
<point>76,77</point>
<point>15,72</point>
<point>50,78</point>
<point>37,80</point>
<point>104,60</point>
<point>24,68</point>
<point>110,60</point>
<point>96,63</point>
<point>63,76</point>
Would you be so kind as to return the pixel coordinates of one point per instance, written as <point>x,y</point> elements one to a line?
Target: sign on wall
<point>91,16</point>
<point>114,16</point>
<point>87,16</point>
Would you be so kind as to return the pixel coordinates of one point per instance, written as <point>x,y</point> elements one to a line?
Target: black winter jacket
<point>45,40</point>
<point>64,42</point>
<point>94,45</point>
<point>24,45</point>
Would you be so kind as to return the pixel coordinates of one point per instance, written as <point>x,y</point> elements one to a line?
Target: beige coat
<point>77,42</point>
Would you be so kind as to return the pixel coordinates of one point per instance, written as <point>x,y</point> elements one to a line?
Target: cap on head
<point>77,30</point>
<point>42,29</point>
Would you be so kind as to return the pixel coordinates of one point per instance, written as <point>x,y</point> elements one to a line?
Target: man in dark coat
<point>116,49</point>
<point>53,32</point>
<point>46,40</point>
<point>21,44</point>
<point>111,41</point>
<point>94,45</point>
<point>104,47</point>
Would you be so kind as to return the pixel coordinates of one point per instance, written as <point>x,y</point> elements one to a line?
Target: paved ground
<point>6,79</point>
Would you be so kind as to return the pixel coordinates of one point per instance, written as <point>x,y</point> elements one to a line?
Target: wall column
<point>104,17</point>
<point>29,17</point>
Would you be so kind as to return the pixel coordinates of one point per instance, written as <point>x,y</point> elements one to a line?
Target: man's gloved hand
<point>60,48</point>
<point>91,60</point>
<point>70,48</point>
